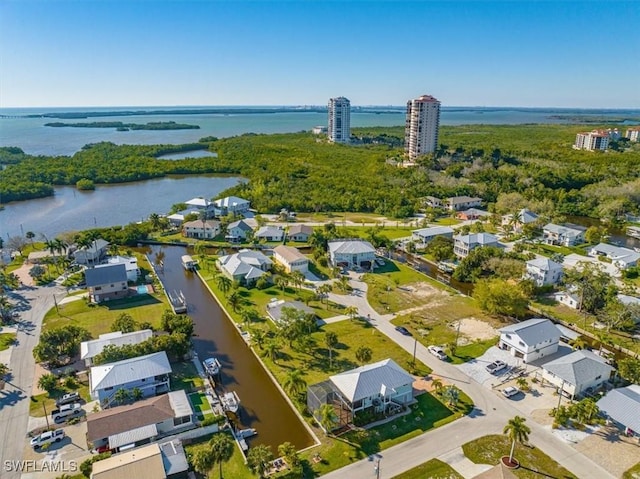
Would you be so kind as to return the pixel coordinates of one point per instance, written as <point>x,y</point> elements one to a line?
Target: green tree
<point>137,394</point>
<point>272,350</point>
<point>440,248</point>
<point>451,394</point>
<point>517,431</point>
<point>223,283</point>
<point>124,323</point>
<point>30,235</point>
<point>259,459</point>
<point>48,382</point>
<point>437,385</point>
<point>202,460</point>
<point>234,300</point>
<point>352,312</point>
<point>629,369</point>
<point>37,272</point>
<point>328,418</point>
<point>121,396</point>
<point>330,341</point>
<point>221,449</point>
<point>363,354</point>
<point>497,296</point>
<point>293,383</point>
<point>290,454</point>
<point>578,343</point>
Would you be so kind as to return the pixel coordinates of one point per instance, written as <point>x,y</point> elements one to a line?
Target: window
<point>598,377</point>
<point>508,336</point>
<point>520,343</point>
<point>177,421</point>
<point>97,288</point>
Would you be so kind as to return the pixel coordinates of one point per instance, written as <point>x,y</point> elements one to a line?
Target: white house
<point>130,263</point>
<point>201,204</point>
<point>237,231</point>
<point>107,282</point>
<point>621,405</point>
<point>270,233</point>
<point>568,298</point>
<point>577,372</point>
<point>425,235</point>
<point>299,233</point>
<point>464,244</point>
<point>523,217</point>
<point>149,374</point>
<point>245,266</point>
<point>531,339</point>
<point>207,229</point>
<point>92,254</point>
<point>291,259</point>
<point>563,235</point>
<point>352,253</point>
<point>90,349</point>
<point>622,258</point>
<point>457,203</point>
<point>232,205</point>
<point>543,271</point>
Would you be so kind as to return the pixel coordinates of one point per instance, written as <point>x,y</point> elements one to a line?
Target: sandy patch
<point>23,274</point>
<point>424,290</point>
<point>473,329</point>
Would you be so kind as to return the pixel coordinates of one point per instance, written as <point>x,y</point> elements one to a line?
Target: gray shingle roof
<point>622,405</point>
<point>369,380</point>
<point>113,273</point>
<point>477,238</point>
<point>534,331</point>
<point>579,367</point>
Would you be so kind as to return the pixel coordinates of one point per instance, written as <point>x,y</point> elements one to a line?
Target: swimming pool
<point>142,289</point>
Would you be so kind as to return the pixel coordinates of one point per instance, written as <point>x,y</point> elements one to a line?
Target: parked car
<point>66,411</point>
<point>496,366</point>
<point>68,399</point>
<point>403,330</point>
<point>510,391</point>
<point>48,437</point>
<point>437,351</point>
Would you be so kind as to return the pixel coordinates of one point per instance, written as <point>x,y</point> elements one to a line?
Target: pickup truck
<point>66,411</point>
<point>47,438</point>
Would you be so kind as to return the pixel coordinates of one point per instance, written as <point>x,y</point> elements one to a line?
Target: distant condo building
<point>633,134</point>
<point>423,122</point>
<point>592,141</point>
<point>339,120</point>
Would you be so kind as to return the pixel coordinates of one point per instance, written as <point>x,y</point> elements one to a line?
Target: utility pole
<point>376,468</point>
<point>46,416</point>
<point>559,398</point>
<point>415,344</point>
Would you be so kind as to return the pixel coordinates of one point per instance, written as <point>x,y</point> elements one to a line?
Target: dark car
<point>68,399</point>
<point>403,330</point>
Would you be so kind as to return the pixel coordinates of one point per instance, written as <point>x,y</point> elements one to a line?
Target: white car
<point>496,366</point>
<point>48,437</point>
<point>510,391</point>
<point>438,352</point>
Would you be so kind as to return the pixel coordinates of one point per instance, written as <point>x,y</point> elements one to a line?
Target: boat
<point>178,302</point>
<point>188,262</point>
<point>211,366</point>
<point>633,231</point>
<point>230,402</point>
<point>244,433</point>
<point>445,267</point>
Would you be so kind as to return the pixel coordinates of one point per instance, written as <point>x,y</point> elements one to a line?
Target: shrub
<point>87,466</point>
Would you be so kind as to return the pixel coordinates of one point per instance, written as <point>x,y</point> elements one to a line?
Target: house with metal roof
<point>299,233</point>
<point>464,244</point>
<point>269,233</point>
<point>232,205</point>
<point>107,282</point>
<point>140,422</point>
<point>621,405</point>
<point>522,218</point>
<point>352,253</point>
<point>622,258</point>
<point>130,263</point>
<point>543,271</point>
<point>90,349</point>
<point>92,254</point>
<point>531,339</point>
<point>149,374</point>
<point>290,258</point>
<point>563,235</point>
<point>237,231</point>
<point>425,235</point>
<point>275,309</point>
<point>246,266</point>
<point>577,373</point>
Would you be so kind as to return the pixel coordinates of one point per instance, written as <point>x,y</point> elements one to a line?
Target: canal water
<point>262,404</point>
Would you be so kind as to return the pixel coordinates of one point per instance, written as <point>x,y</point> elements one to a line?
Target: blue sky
<point>147,52</point>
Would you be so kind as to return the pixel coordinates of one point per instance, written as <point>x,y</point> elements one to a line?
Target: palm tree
<point>298,279</point>
<point>154,218</point>
<point>221,449</point>
<point>223,283</point>
<point>363,354</point>
<point>352,312</point>
<point>324,291</point>
<point>293,383</point>
<point>121,395</point>
<point>259,459</point>
<point>202,460</point>
<point>272,350</point>
<point>578,343</point>
<point>516,430</point>
<point>289,453</point>
<point>437,385</point>
<point>451,394</point>
<point>330,341</point>
<point>137,394</point>
<point>282,282</point>
<point>257,335</point>
<point>114,249</point>
<point>30,235</point>
<point>522,384</point>
<point>328,418</point>
<point>234,300</point>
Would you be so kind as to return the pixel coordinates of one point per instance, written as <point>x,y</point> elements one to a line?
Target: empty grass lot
<point>433,469</point>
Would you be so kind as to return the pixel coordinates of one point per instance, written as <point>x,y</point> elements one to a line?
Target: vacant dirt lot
<point>472,329</point>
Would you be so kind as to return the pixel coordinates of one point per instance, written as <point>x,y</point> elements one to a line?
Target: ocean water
<point>34,138</point>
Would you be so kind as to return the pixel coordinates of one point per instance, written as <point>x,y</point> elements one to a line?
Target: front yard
<point>47,402</point>
<point>433,469</point>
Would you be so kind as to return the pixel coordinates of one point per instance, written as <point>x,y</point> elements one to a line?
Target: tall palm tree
<point>298,279</point>
<point>154,218</point>
<point>272,350</point>
<point>221,449</point>
<point>202,460</point>
<point>30,235</point>
<point>257,335</point>
<point>223,283</point>
<point>578,343</point>
<point>517,431</point>
<point>234,300</point>
<point>293,383</point>
<point>259,459</point>
<point>451,394</point>
<point>328,417</point>
<point>114,249</point>
<point>288,451</point>
<point>352,312</point>
<point>437,385</point>
<point>330,341</point>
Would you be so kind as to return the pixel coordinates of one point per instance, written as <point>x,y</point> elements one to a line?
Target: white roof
<point>622,405</point>
<point>230,201</point>
<point>573,260</point>
<point>433,231</point>
<point>269,231</point>
<point>628,300</point>
<point>289,253</point>
<point>133,435</point>
<point>544,264</point>
<point>563,229</point>
<point>89,349</point>
<point>245,262</point>
<point>198,202</point>
<point>616,252</point>
<point>579,367</point>
<point>478,238</point>
<point>534,331</point>
<point>176,216</point>
<point>128,370</point>
<point>353,246</point>
<point>180,403</point>
<point>371,379</point>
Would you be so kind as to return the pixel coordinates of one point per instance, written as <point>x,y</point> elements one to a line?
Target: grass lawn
<point>200,404</point>
<point>6,340</point>
<point>185,376</point>
<point>234,469</point>
<point>446,221</point>
<point>433,469</point>
<point>391,232</point>
<point>533,462</point>
<point>97,319</point>
<point>36,404</point>
<point>632,473</point>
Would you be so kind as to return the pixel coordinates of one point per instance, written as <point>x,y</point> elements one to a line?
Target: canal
<point>262,404</point>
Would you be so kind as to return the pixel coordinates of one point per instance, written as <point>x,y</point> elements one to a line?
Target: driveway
<point>476,368</point>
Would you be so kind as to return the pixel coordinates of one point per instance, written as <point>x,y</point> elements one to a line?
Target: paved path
<point>33,303</point>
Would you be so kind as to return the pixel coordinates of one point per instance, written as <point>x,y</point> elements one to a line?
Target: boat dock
<point>188,263</point>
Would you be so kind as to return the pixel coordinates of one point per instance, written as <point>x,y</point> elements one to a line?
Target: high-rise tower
<point>339,130</point>
<point>423,122</point>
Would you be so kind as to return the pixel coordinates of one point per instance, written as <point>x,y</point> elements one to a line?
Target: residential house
<point>621,406</point>
<point>207,229</point>
<point>232,205</point>
<point>563,235</point>
<point>201,204</point>
<point>237,231</point>
<point>270,233</point>
<point>522,218</point>
<point>621,258</point>
<point>245,266</point>
<point>577,373</point>
<point>90,349</point>
<point>352,253</point>
<point>634,135</point>
<point>274,309</point>
<point>464,244</point>
<point>291,259</point>
<point>130,263</point>
<point>458,203</point>
<point>140,422</point>
<point>433,202</point>
<point>569,298</point>
<point>543,271</point>
<point>176,219</point>
<point>149,374</point>
<point>300,233</point>
<point>92,254</point>
<point>632,303</point>
<point>107,282</point>
<point>472,214</point>
<point>425,235</point>
<point>578,261</point>
<point>531,339</point>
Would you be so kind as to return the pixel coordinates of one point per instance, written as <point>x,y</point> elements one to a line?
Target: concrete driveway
<point>476,368</point>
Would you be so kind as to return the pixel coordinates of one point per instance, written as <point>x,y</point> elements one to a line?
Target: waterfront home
<point>245,266</point>
<point>199,229</point>
<point>563,235</point>
<point>275,309</point>
<point>425,235</point>
<point>90,349</point>
<point>130,263</point>
<point>383,388</point>
<point>622,258</point>
<point>543,271</point>
<point>149,374</point>
<point>352,253</point>
<point>577,373</point>
<point>107,282</point>
<point>291,259</point>
<point>200,204</point>
<point>464,244</point>
<point>531,339</point>
<point>458,203</point>
<point>92,254</point>
<point>237,231</point>
<point>578,262</point>
<point>176,220</point>
<point>472,214</point>
<point>232,205</point>
<point>621,406</point>
<point>269,233</point>
<point>522,218</point>
<point>299,233</point>
<point>140,422</point>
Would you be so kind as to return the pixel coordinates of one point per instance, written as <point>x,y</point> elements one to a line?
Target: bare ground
<point>477,329</point>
